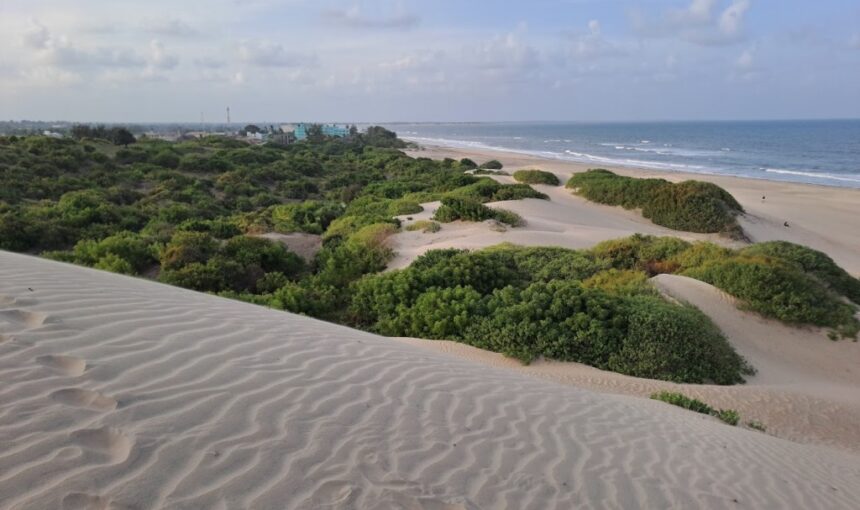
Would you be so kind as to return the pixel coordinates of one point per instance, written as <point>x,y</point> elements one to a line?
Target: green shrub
<point>497,299</point>
<point>311,216</point>
<point>675,343</point>
<point>465,209</point>
<point>812,262</point>
<point>492,164</point>
<point>453,209</point>
<point>729,416</point>
<point>536,177</point>
<point>624,282</point>
<point>692,206</point>
<point>425,226</point>
<point>508,217</point>
<point>680,400</point>
<point>468,163</point>
<point>756,425</point>
<point>778,290</point>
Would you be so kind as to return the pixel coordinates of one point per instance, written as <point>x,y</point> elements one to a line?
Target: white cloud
<point>171,28</point>
<point>269,54</point>
<point>731,20</point>
<point>355,18</point>
<point>159,58</point>
<point>699,23</point>
<point>592,44</point>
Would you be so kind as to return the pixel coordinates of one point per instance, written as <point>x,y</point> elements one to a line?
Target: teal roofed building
<point>301,130</point>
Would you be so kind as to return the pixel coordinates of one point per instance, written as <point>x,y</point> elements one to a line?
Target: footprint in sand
<point>17,318</point>
<point>108,441</point>
<point>81,501</point>
<point>67,365</point>
<point>84,398</point>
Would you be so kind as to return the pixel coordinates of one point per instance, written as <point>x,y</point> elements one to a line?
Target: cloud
<point>36,36</point>
<point>171,28</point>
<point>504,52</point>
<point>591,44</point>
<point>268,54</point>
<point>701,22</point>
<point>732,19</point>
<point>160,59</point>
<point>354,18</point>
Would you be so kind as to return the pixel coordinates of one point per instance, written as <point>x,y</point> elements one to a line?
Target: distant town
<point>253,133</point>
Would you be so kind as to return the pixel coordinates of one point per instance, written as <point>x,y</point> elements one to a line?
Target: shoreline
<point>823,217</point>
<point>708,172</point>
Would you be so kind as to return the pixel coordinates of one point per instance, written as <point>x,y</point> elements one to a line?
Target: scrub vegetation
<point>692,206</point>
<point>189,214</point>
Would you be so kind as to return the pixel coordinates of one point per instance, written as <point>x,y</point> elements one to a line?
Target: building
<point>301,130</point>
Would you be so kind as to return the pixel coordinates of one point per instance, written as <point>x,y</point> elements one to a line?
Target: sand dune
<point>807,387</point>
<point>221,404</point>
<point>832,228</point>
<point>565,220</point>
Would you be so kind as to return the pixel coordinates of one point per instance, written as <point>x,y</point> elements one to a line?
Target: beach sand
<point>807,388</point>
<point>124,393</point>
<point>822,217</point>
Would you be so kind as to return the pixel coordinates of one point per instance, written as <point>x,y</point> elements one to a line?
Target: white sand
<point>807,388</point>
<point>825,218</point>
<point>123,393</point>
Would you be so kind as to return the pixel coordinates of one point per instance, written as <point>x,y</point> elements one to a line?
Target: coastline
<point>831,228</point>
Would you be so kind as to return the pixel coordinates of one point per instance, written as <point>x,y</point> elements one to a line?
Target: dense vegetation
<point>531,302</point>
<point>467,209</point>
<point>536,177</point>
<point>190,214</point>
<point>186,213</point>
<point>692,206</point>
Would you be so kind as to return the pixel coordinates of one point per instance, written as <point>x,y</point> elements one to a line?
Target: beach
<point>822,217</point>
<point>807,388</point>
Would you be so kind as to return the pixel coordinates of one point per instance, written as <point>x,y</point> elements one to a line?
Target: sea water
<point>813,151</point>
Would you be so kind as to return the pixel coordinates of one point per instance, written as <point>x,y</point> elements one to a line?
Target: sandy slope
<point>565,220</point>
<point>123,393</point>
<point>807,388</point>
<point>825,218</point>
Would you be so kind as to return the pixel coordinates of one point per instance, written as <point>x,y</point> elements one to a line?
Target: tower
<point>228,115</point>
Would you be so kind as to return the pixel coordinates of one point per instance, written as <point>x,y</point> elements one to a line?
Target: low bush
<point>453,209</point>
<point>425,226</point>
<point>517,302</point>
<point>536,177</point>
<point>776,289</point>
<point>492,164</point>
<point>812,262</point>
<point>729,416</point>
<point>692,206</point>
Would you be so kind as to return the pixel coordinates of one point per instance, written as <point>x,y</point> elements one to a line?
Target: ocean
<point>818,152</point>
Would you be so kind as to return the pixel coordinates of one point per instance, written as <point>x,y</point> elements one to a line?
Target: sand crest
<point>222,404</point>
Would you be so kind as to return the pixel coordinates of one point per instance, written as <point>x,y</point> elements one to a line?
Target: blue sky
<point>441,60</point>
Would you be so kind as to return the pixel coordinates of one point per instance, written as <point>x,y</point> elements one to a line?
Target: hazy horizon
<point>411,61</point>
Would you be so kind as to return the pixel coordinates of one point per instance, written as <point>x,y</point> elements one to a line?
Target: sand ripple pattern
<point>122,393</point>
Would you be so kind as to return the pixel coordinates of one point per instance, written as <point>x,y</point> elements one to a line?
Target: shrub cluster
<point>453,209</point>
<point>492,164</point>
<point>729,416</point>
<point>536,177</point>
<point>692,206</point>
<point>514,301</point>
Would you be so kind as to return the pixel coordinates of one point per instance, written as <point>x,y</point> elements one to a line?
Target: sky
<point>428,60</point>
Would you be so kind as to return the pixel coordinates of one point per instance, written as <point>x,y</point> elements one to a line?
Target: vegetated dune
<point>807,387</point>
<point>564,220</point>
<point>132,394</point>
<point>822,217</point>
